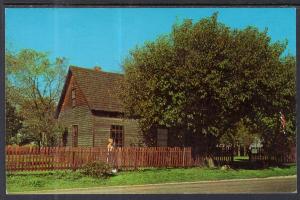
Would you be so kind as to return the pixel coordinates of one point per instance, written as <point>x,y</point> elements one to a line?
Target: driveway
<point>257,185</point>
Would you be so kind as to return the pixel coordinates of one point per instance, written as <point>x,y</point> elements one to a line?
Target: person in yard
<point>282,121</point>
<point>110,147</point>
<point>110,156</point>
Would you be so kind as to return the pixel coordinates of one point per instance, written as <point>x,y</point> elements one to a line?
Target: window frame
<point>117,134</point>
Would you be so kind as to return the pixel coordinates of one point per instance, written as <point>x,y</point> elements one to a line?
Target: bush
<point>97,169</point>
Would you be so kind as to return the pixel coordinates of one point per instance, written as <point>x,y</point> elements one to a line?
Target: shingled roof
<point>101,89</point>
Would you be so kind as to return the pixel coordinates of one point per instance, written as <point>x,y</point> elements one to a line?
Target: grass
<point>48,180</point>
<point>241,158</point>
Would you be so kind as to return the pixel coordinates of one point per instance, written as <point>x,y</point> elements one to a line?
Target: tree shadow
<point>246,164</point>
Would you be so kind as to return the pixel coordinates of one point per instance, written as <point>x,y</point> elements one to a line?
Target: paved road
<point>259,185</point>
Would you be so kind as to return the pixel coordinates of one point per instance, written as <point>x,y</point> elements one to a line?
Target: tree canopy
<point>33,86</point>
<point>206,77</point>
<point>13,123</point>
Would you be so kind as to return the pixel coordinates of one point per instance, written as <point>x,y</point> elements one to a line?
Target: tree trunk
<point>40,140</point>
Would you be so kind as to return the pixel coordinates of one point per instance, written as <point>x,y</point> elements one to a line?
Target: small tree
<point>34,84</point>
<point>239,136</point>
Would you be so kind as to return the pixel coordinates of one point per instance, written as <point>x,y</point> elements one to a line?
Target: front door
<point>65,137</point>
<point>75,136</point>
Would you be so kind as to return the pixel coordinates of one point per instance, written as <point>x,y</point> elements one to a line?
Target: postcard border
<point>136,3</point>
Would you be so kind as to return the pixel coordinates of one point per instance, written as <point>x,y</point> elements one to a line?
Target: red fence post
<point>73,159</point>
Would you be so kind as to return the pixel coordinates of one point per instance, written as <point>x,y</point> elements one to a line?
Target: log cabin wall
<point>96,108</point>
<point>102,128</point>
<point>79,114</point>
<point>79,98</point>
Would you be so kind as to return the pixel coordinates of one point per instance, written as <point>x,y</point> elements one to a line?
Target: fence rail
<point>273,156</point>
<point>56,158</point>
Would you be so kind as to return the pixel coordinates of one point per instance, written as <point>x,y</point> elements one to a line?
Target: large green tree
<point>33,86</point>
<point>205,77</point>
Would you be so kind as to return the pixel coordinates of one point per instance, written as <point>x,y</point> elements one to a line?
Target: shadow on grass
<point>246,164</point>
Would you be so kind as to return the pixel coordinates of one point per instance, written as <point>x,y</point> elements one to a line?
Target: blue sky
<point>104,36</point>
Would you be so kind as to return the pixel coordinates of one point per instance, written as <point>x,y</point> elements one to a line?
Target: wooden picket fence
<point>220,156</point>
<point>57,158</point>
<point>273,156</point>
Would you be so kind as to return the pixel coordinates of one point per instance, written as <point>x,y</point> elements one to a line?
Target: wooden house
<point>91,111</point>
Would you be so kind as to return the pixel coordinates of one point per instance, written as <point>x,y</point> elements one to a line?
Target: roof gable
<point>101,89</point>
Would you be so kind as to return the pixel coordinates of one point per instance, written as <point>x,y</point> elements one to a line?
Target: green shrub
<point>97,169</point>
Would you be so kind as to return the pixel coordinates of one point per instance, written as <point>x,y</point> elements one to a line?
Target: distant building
<point>255,145</point>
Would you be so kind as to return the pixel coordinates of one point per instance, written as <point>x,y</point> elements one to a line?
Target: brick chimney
<point>97,68</point>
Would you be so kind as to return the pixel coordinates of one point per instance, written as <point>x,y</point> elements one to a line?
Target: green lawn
<point>31,181</point>
<point>239,158</point>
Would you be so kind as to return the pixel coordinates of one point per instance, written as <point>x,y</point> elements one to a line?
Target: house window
<point>73,95</point>
<point>117,134</point>
<point>65,137</point>
<point>75,135</point>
